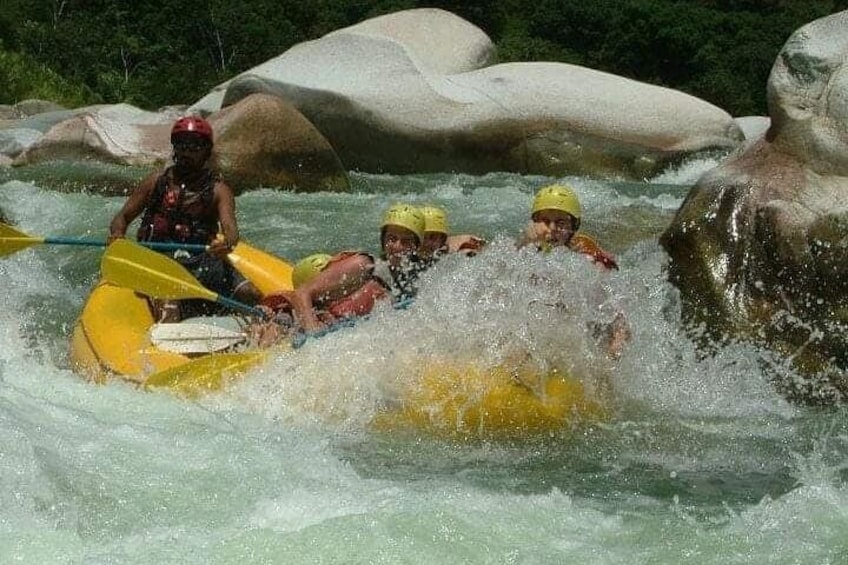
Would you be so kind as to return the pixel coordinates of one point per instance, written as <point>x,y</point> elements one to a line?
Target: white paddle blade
<point>195,337</point>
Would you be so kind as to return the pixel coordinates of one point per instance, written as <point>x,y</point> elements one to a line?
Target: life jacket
<point>277,303</point>
<point>401,281</point>
<point>176,214</point>
<point>360,302</point>
<point>582,243</point>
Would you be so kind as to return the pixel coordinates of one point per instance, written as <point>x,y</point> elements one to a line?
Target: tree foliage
<point>159,52</point>
<point>22,78</point>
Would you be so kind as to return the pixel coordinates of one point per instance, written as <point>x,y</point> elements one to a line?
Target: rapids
<point>700,460</point>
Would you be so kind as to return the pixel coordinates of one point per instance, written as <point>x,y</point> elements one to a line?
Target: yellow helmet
<point>405,216</point>
<point>435,219</point>
<point>557,197</point>
<point>309,267</point>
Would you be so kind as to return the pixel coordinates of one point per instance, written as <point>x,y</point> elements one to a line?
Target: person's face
<point>190,151</point>
<point>433,241</point>
<point>398,243</point>
<point>558,226</point>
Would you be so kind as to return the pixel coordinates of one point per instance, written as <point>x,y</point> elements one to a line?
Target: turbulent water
<point>700,460</point>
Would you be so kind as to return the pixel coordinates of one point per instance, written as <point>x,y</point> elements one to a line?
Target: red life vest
<point>360,302</point>
<point>174,213</point>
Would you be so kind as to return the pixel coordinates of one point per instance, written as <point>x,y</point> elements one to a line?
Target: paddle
<point>206,374</point>
<point>129,265</point>
<point>197,335</point>
<point>13,240</point>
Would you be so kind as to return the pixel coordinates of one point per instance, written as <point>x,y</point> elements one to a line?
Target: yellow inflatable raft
<point>112,337</point>
<point>467,401</point>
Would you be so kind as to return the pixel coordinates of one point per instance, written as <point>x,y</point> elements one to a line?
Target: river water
<point>700,460</point>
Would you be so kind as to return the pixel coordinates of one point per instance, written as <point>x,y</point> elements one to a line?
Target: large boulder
<point>412,92</point>
<point>14,141</point>
<point>34,106</point>
<point>264,141</point>
<point>38,122</point>
<point>753,127</point>
<point>8,112</point>
<point>759,248</point>
<point>119,133</point>
<point>19,132</point>
<point>29,107</point>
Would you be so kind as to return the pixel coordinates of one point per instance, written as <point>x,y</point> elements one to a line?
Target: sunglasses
<point>189,145</point>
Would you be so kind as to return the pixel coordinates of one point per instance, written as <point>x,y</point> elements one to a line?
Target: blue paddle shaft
<point>157,245</point>
<point>236,305</point>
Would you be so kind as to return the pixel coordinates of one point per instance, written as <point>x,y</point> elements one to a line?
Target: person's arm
<point>468,243</point>
<point>133,206</point>
<point>225,204</point>
<point>346,273</point>
<point>304,311</point>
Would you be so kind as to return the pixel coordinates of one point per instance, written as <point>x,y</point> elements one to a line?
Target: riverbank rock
<point>119,133</point>
<point>34,106</point>
<point>414,91</point>
<point>29,107</point>
<point>19,132</point>
<point>262,142</point>
<point>14,141</point>
<point>754,128</point>
<point>7,112</point>
<point>759,248</point>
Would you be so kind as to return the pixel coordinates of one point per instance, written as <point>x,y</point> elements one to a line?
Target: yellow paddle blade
<point>132,266</point>
<point>12,240</point>
<point>209,373</point>
<point>267,276</point>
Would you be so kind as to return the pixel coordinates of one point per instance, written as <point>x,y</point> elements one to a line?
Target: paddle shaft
<point>157,245</point>
<point>236,305</point>
<point>13,240</point>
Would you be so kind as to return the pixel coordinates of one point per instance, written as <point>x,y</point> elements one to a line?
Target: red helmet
<point>192,124</point>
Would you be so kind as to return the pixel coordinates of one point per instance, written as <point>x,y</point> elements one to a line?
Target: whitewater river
<point>700,460</point>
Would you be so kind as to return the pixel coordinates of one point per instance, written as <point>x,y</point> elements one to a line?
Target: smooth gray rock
<point>759,248</point>
<point>753,128</point>
<point>119,133</point>
<point>264,141</point>
<point>412,92</point>
<point>14,141</point>
<point>33,106</point>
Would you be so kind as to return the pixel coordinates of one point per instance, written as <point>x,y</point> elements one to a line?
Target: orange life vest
<point>582,243</point>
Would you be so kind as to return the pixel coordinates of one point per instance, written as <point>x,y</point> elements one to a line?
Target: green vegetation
<point>23,77</point>
<point>152,53</point>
